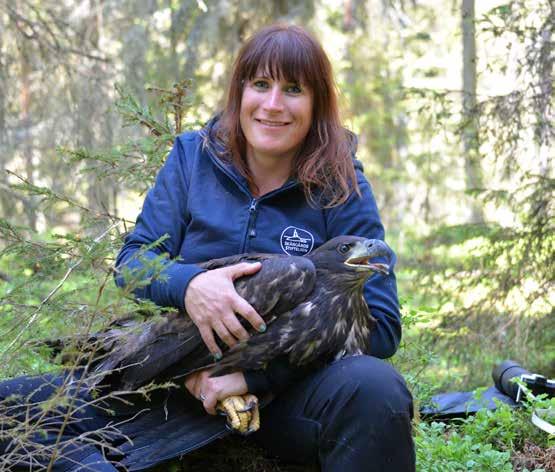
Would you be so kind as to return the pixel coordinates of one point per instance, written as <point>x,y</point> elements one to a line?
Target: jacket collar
<point>215,148</point>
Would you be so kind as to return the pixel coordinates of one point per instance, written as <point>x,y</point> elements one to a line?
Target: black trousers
<point>34,421</point>
<point>353,415</point>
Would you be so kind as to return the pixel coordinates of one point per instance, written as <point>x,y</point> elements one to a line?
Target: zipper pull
<point>252,210</point>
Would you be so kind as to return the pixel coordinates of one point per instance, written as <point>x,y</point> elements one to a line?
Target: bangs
<point>281,56</point>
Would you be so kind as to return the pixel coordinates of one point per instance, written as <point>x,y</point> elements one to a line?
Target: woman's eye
<point>294,88</point>
<point>261,84</point>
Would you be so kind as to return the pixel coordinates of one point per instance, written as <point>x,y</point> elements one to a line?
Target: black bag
<point>445,406</point>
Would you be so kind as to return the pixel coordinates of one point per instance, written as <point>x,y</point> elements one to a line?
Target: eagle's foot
<point>242,413</point>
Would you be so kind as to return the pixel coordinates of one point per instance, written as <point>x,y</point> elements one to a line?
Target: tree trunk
<point>473,171</point>
<point>544,128</point>
<point>91,119</point>
<point>7,209</point>
<point>25,125</point>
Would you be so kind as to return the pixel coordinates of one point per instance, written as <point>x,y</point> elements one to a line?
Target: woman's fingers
<point>208,337</point>
<point>243,268</point>
<point>200,386</point>
<point>208,390</point>
<point>211,302</point>
<point>223,333</point>
<point>240,305</point>
<point>192,383</point>
<point>214,389</point>
<point>243,308</point>
<point>234,327</point>
<point>209,403</point>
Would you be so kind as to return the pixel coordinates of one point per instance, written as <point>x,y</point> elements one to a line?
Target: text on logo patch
<point>296,241</point>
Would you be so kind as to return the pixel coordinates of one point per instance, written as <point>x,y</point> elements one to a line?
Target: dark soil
<point>231,454</point>
<point>533,457</point>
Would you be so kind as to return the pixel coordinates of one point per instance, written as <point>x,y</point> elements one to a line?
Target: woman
<point>277,165</point>
<point>274,173</point>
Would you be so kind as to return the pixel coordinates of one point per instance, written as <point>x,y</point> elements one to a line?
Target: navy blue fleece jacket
<point>205,210</point>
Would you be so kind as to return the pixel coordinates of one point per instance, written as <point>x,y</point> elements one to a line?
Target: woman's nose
<point>274,99</point>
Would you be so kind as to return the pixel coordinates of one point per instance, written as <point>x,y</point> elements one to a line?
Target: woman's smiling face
<point>275,116</point>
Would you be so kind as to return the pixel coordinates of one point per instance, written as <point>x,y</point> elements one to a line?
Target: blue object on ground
<point>445,406</point>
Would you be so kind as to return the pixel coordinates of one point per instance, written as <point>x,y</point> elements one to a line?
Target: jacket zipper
<point>251,229</point>
<point>252,219</point>
<point>251,224</point>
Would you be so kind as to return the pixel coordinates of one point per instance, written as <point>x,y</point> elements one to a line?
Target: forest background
<point>452,104</point>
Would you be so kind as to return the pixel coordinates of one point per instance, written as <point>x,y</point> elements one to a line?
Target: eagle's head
<point>351,256</point>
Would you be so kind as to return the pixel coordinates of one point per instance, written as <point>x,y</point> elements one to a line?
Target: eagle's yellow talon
<point>242,413</point>
<point>254,424</point>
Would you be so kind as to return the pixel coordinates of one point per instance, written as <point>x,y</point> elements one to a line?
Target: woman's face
<point>275,116</point>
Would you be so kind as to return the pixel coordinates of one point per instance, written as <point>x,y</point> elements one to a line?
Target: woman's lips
<point>272,123</point>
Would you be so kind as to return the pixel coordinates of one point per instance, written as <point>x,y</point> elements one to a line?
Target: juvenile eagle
<point>313,307</point>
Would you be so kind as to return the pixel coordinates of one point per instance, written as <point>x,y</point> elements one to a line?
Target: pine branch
<point>52,196</point>
<point>54,291</point>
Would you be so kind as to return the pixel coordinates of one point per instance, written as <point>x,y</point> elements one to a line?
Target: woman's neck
<point>268,173</point>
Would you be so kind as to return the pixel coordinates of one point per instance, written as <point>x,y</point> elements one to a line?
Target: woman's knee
<point>372,384</point>
<point>368,407</point>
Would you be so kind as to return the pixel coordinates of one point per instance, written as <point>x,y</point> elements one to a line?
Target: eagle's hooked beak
<point>362,252</point>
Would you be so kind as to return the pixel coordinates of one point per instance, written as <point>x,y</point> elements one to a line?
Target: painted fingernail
<point>262,328</point>
<point>217,356</point>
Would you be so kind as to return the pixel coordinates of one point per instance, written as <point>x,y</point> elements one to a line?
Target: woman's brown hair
<point>324,165</point>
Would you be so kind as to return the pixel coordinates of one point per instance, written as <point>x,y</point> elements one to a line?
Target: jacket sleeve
<point>359,217</point>
<point>164,216</point>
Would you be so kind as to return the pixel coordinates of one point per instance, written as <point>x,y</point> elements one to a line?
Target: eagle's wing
<point>294,327</point>
<point>238,258</point>
<point>163,348</point>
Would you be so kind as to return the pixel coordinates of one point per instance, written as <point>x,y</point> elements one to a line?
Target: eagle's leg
<point>242,413</point>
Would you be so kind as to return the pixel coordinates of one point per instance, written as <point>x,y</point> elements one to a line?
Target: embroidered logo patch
<point>296,241</point>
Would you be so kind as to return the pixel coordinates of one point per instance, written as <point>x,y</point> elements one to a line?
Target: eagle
<point>313,307</point>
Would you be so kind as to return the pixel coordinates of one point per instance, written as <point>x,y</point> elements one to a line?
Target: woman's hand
<point>211,302</point>
<point>214,389</point>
